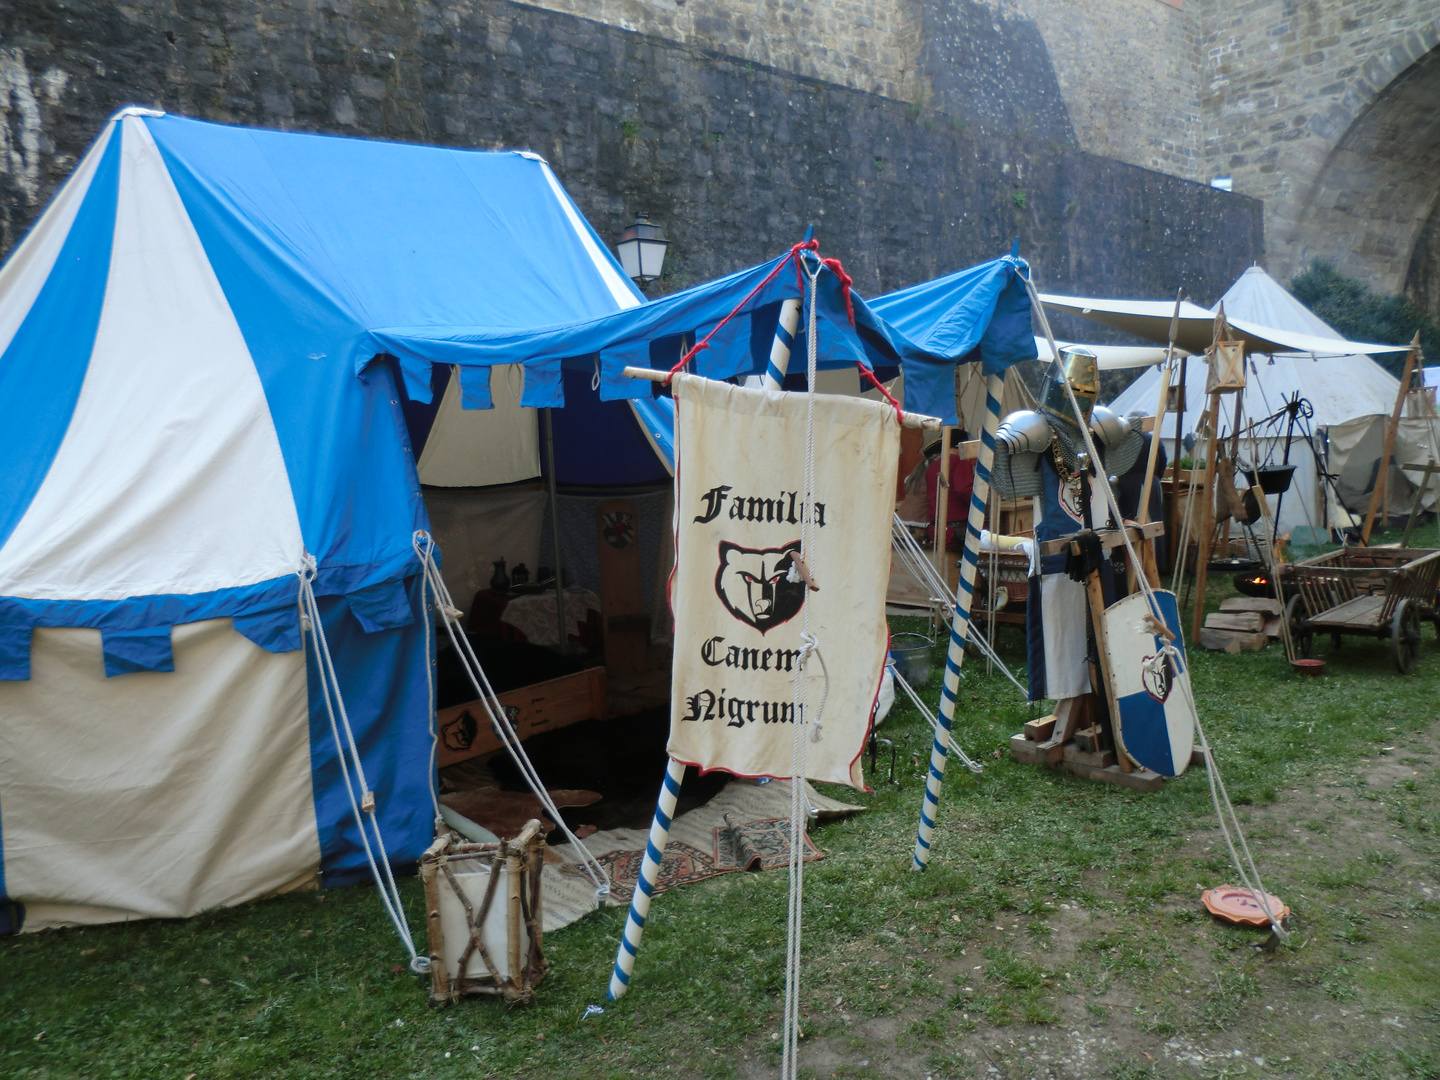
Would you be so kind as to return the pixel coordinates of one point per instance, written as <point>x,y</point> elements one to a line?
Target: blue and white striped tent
<point>192,400</point>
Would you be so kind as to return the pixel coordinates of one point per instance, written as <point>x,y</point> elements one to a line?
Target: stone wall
<point>733,156</point>
<point>1127,70</point>
<point>869,45</point>
<point>1307,108</point>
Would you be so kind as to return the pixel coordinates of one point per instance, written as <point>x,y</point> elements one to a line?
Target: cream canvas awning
<point>1151,319</point>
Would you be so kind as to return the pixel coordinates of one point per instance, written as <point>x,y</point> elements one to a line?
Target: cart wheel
<point>1294,615</point>
<point>1405,637</point>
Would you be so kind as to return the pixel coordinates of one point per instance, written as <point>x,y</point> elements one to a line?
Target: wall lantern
<point>642,250</point>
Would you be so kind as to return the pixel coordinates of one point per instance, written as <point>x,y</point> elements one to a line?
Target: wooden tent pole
<point>1174,528</point>
<point>942,503</point>
<point>1383,473</point>
<point>1147,547</point>
<point>1207,514</point>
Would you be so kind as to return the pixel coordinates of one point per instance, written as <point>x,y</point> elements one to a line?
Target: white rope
<point>424,545</point>
<point>934,722</point>
<point>913,556</point>
<point>352,769</point>
<point>799,805</point>
<point>1247,871</point>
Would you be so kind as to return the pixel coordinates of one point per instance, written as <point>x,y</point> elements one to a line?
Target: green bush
<point>1361,314</point>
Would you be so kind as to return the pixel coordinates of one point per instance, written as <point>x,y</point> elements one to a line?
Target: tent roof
<point>1256,297</point>
<point>1261,313</point>
<point>980,314</point>
<point>1339,386</point>
<point>181,419</point>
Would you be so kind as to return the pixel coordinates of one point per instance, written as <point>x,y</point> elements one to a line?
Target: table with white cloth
<point>533,614</point>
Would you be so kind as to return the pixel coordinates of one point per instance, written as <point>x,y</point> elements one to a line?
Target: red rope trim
<point>845,282</point>
<point>899,416</point>
<point>794,253</point>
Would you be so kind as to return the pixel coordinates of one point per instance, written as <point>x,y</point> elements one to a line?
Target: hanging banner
<point>740,508</point>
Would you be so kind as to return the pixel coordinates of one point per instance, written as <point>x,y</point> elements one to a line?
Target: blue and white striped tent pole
<point>773,378</point>
<point>645,886</point>
<point>960,627</point>
<point>779,363</point>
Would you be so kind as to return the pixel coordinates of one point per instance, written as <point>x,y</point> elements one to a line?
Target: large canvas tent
<point>223,353</point>
<point>190,404</point>
<point>1339,385</point>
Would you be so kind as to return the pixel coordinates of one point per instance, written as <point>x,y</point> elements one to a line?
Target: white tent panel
<point>155,794</point>
<point>175,476</point>
<point>1111,357</point>
<point>477,528</point>
<point>24,274</point>
<point>480,447</point>
<point>1339,388</point>
<point>620,289</point>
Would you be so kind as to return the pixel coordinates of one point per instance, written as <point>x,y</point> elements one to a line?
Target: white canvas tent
<point>1340,388</point>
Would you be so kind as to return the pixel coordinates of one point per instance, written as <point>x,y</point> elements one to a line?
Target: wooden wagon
<point>1378,592</point>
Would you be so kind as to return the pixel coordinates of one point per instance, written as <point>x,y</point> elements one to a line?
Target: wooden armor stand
<point>1077,737</point>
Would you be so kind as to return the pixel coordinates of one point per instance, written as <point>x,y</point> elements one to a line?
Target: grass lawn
<point>1058,932</point>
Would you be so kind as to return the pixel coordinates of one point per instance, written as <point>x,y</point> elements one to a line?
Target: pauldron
<point>1026,436</point>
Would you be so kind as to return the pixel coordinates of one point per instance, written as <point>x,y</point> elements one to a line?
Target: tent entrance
<point>595,663</point>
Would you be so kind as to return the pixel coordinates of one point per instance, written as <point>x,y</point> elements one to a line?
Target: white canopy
<point>1340,386</point>
<point>1265,322</point>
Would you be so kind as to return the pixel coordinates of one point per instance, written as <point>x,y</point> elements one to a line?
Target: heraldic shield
<point>1150,686</point>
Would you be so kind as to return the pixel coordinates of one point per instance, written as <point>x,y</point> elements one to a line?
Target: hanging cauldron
<point>1273,479</point>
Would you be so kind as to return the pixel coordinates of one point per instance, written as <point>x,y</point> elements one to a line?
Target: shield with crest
<point>1150,684</point>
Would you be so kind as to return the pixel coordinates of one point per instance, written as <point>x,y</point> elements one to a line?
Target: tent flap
<point>15,651</point>
<point>274,631</point>
<point>981,314</point>
<point>129,651</point>
<point>381,607</point>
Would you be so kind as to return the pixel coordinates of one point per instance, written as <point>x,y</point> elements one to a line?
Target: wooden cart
<point>1378,592</point>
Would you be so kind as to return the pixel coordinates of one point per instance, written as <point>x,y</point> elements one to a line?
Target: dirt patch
<point>1129,990</point>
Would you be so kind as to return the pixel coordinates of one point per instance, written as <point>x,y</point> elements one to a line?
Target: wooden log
<point>1249,621</point>
<point>1231,641</point>
<point>1039,730</point>
<point>1096,595</point>
<point>1097,759</point>
<point>1028,752</point>
<point>1262,604</point>
<point>1140,779</point>
<point>1207,517</point>
<point>1067,719</point>
<point>1273,627</point>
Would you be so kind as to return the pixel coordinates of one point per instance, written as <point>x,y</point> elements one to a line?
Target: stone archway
<point>1371,210</point>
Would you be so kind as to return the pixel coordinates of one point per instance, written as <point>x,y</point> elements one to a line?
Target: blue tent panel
<point>383,679</point>
<point>42,370</point>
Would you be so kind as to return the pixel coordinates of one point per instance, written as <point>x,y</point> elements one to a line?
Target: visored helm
<point>1077,367</point>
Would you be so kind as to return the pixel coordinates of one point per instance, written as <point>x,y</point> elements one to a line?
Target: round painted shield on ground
<point>1238,905</point>
<point>1149,684</point>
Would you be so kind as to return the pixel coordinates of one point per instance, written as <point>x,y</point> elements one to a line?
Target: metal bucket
<point>912,656</point>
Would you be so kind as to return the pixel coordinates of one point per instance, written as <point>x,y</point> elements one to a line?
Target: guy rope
<point>1224,811</point>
